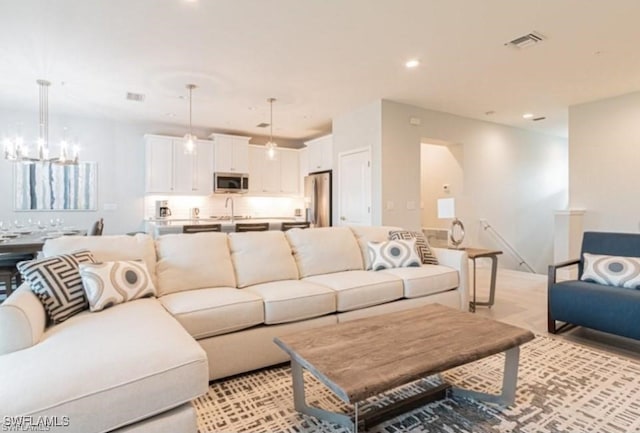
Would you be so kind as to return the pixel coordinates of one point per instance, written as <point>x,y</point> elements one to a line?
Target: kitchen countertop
<point>159,227</point>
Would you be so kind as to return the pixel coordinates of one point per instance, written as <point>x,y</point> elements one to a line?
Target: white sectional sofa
<point>222,298</point>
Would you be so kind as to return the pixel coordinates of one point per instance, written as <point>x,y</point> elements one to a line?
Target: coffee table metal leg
<point>509,381</point>
<point>301,405</point>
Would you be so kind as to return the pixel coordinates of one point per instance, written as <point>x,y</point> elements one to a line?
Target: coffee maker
<point>162,209</point>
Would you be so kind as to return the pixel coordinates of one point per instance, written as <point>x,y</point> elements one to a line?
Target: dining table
<point>32,242</point>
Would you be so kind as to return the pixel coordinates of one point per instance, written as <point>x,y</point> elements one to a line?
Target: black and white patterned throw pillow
<point>422,246</point>
<point>56,282</point>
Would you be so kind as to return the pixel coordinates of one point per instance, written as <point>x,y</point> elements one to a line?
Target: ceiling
<point>319,58</point>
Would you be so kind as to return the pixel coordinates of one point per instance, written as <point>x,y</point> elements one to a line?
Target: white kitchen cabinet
<point>158,164</point>
<point>290,172</point>
<point>256,161</point>
<point>320,154</point>
<point>274,177</point>
<point>231,153</point>
<point>169,170</point>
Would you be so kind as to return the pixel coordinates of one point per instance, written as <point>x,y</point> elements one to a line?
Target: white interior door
<point>355,187</point>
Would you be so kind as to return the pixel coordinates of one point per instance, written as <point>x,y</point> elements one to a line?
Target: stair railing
<point>521,261</point>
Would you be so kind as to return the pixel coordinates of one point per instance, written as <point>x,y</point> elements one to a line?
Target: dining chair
<point>200,228</point>
<point>252,227</point>
<point>96,228</point>
<point>9,271</point>
<point>294,225</point>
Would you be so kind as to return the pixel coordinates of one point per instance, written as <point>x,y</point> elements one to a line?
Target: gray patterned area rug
<point>562,388</point>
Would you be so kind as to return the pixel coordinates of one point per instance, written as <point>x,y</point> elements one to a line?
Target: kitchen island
<point>162,226</point>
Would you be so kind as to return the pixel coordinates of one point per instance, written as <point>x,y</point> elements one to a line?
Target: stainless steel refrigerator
<point>317,197</point>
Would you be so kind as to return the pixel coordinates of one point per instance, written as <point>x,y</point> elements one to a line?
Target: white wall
<point>355,130</point>
<point>604,155</point>
<point>513,178</point>
<point>440,164</point>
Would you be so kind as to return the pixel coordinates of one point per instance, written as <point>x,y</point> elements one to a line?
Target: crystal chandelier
<point>189,138</point>
<point>272,147</point>
<point>16,150</point>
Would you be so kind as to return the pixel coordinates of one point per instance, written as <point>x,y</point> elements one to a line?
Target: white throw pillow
<point>111,283</point>
<point>393,254</point>
<point>612,270</point>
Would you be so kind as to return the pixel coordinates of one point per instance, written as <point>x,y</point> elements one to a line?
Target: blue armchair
<point>615,310</point>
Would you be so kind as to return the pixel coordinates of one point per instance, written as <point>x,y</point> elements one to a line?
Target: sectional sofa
<point>221,299</point>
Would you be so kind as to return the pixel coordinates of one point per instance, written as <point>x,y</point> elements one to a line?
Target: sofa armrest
<point>22,320</point>
<point>458,260</point>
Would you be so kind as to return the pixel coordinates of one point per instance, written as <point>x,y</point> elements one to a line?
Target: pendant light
<point>189,138</point>
<point>16,150</point>
<point>272,147</point>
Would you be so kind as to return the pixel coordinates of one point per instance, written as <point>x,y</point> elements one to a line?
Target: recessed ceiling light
<point>527,116</point>
<point>413,63</point>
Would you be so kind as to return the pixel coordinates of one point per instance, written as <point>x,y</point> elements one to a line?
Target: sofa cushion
<point>110,283</point>
<point>293,300</point>
<point>393,254</point>
<point>57,283</point>
<point>324,250</point>
<point>366,234</point>
<point>359,289</point>
<point>107,248</point>
<point>193,261</point>
<point>106,370</point>
<point>261,257</point>
<point>612,270</point>
<point>426,280</point>
<point>215,311</point>
<point>422,245</point>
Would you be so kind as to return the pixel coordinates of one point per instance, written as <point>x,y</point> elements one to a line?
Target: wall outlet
<point>390,205</point>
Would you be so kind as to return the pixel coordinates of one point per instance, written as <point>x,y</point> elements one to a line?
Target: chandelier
<point>272,147</point>
<point>16,150</point>
<point>189,138</point>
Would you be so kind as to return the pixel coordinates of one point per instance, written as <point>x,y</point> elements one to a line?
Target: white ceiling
<point>319,58</point>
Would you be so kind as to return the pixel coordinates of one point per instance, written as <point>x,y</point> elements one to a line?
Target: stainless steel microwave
<point>230,183</point>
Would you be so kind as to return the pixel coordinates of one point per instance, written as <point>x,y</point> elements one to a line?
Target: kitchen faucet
<point>226,203</point>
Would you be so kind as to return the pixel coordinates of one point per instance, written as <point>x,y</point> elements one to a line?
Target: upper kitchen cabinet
<point>169,170</point>
<point>274,177</point>
<point>231,153</point>
<point>320,154</point>
<point>290,172</point>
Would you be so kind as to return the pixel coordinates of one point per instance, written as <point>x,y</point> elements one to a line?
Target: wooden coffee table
<point>365,357</point>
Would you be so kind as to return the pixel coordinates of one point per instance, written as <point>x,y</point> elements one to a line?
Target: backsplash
<point>245,205</point>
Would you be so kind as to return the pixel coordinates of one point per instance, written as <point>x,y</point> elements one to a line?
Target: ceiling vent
<point>526,41</point>
<point>262,125</point>
<point>137,97</point>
